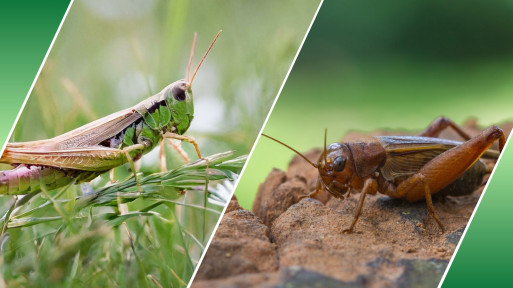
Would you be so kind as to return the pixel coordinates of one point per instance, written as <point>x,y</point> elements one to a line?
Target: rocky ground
<point>286,243</point>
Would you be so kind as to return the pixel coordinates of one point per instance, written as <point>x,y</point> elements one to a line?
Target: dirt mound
<point>286,242</point>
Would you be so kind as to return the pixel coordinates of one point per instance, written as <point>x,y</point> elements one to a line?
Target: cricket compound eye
<point>179,92</point>
<point>339,163</point>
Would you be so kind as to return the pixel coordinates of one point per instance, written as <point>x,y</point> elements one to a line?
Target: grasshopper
<point>95,148</point>
<point>406,167</point>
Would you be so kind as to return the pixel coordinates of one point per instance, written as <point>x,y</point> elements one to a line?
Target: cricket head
<point>335,166</point>
<point>336,169</point>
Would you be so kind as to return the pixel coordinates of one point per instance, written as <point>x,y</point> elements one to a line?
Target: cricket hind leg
<point>445,169</point>
<point>429,203</point>
<point>441,123</point>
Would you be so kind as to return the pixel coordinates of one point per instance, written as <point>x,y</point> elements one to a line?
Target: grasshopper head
<point>336,169</point>
<point>172,109</point>
<point>178,97</point>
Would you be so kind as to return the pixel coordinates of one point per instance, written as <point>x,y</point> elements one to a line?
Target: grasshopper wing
<point>88,135</point>
<point>94,158</point>
<point>77,149</point>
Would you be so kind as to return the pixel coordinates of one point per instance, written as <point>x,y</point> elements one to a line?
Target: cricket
<point>406,167</point>
<point>95,148</point>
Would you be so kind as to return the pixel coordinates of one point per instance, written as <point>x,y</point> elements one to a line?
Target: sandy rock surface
<point>241,245</point>
<point>287,242</point>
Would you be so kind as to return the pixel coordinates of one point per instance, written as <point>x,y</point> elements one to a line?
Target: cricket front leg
<point>370,186</point>
<point>440,124</point>
<point>312,194</point>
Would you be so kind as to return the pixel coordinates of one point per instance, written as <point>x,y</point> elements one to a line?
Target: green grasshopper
<point>95,148</point>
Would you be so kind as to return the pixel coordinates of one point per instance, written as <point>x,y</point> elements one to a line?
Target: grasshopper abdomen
<point>29,178</point>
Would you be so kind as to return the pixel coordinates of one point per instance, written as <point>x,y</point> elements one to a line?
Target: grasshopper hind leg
<point>127,151</point>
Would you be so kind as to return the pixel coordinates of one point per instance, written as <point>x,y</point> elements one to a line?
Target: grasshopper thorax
<point>171,110</point>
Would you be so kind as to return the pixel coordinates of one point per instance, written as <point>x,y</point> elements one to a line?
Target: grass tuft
<point>116,235</point>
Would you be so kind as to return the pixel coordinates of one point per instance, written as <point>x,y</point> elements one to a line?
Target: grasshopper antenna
<point>190,58</point>
<point>302,156</point>
<point>204,56</point>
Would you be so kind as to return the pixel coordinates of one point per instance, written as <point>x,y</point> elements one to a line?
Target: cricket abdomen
<point>408,155</point>
<point>26,179</point>
<point>466,183</point>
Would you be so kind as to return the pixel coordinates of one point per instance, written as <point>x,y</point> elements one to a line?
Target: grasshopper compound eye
<point>179,92</point>
<point>339,163</point>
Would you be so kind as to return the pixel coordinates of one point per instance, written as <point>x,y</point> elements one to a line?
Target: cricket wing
<point>406,155</point>
<point>88,135</point>
<point>95,158</point>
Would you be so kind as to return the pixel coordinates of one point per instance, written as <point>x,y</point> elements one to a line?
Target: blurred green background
<point>110,55</point>
<point>396,64</point>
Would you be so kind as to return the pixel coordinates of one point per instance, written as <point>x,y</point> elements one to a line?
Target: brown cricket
<point>408,167</point>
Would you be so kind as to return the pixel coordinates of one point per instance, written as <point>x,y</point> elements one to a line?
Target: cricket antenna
<point>190,57</point>
<point>204,56</point>
<point>302,156</point>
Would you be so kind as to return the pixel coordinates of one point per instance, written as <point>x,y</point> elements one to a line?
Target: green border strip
<point>484,258</point>
<point>26,30</point>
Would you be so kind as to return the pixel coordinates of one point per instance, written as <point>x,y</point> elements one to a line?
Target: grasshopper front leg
<point>186,139</point>
<point>445,169</point>
<point>168,136</point>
